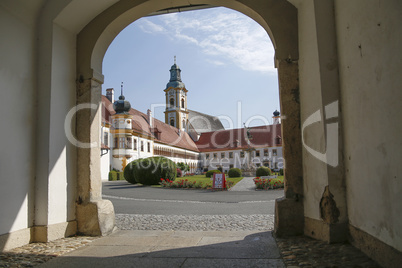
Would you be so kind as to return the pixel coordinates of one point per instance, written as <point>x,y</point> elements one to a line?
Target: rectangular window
<point>206,156</point>
<point>116,143</point>
<point>222,155</point>
<point>106,138</point>
<point>257,153</point>
<point>129,143</point>
<point>122,142</point>
<point>135,144</point>
<point>241,154</point>
<point>149,147</point>
<point>230,154</point>
<point>265,152</point>
<point>274,152</point>
<point>231,166</point>
<point>142,146</point>
<point>215,155</point>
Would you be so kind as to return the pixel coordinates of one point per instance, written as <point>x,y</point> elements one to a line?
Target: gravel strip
<point>195,222</point>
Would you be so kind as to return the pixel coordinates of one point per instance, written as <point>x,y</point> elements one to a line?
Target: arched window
<point>172,122</point>
<point>182,103</point>
<point>184,124</point>
<point>171,102</point>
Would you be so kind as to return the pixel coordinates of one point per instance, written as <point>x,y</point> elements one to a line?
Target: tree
<point>183,166</point>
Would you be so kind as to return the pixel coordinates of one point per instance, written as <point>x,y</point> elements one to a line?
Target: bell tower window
<point>182,103</point>
<point>172,122</point>
<point>171,102</point>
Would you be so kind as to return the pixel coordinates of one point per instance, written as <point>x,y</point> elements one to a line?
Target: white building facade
<point>187,136</point>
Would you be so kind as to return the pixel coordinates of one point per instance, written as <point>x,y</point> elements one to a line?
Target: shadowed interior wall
<point>370,75</point>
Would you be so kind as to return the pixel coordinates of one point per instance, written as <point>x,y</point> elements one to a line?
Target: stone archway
<point>278,17</point>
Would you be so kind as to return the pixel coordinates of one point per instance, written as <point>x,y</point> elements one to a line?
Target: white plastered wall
<point>369,43</point>
<point>17,104</point>
<point>62,154</point>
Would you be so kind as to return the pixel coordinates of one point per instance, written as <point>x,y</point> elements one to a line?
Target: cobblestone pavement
<point>37,253</point>
<point>306,252</point>
<point>296,251</point>
<point>195,222</point>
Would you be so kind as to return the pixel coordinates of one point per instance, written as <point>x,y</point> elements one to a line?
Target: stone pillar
<point>94,215</point>
<point>289,213</point>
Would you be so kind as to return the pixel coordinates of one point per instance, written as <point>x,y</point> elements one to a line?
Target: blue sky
<point>225,57</point>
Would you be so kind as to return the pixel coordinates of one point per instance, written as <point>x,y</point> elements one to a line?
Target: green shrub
<point>112,175</point>
<point>234,172</point>
<point>115,175</point>
<point>211,172</point>
<point>150,171</point>
<point>281,172</point>
<point>129,173</point>
<point>179,173</point>
<point>263,171</point>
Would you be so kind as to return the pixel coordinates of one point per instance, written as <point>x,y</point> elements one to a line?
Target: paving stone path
<point>295,251</point>
<point>246,184</point>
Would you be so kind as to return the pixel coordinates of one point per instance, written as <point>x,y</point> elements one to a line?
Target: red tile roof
<point>167,134</point>
<point>231,139</point>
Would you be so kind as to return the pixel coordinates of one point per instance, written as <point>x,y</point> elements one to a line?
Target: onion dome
<point>175,77</point>
<point>121,106</point>
<point>276,113</point>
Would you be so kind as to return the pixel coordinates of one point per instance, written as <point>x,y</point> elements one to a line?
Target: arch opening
<point>96,36</point>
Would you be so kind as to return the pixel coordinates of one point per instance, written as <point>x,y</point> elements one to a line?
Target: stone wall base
<point>289,217</point>
<point>96,218</point>
<point>15,239</point>
<point>37,234</point>
<point>54,231</point>
<point>320,230</point>
<point>377,250</point>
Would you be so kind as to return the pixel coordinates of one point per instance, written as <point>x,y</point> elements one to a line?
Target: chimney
<point>110,94</point>
<point>150,118</point>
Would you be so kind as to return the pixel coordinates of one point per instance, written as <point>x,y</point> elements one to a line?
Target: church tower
<point>122,132</point>
<point>176,113</point>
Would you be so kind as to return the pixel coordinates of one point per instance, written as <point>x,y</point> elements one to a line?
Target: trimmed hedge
<point>150,171</point>
<point>115,175</point>
<point>263,171</point>
<point>211,172</point>
<point>234,172</point>
<point>129,173</point>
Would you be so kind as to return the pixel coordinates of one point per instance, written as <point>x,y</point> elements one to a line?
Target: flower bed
<point>267,184</point>
<point>189,184</point>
